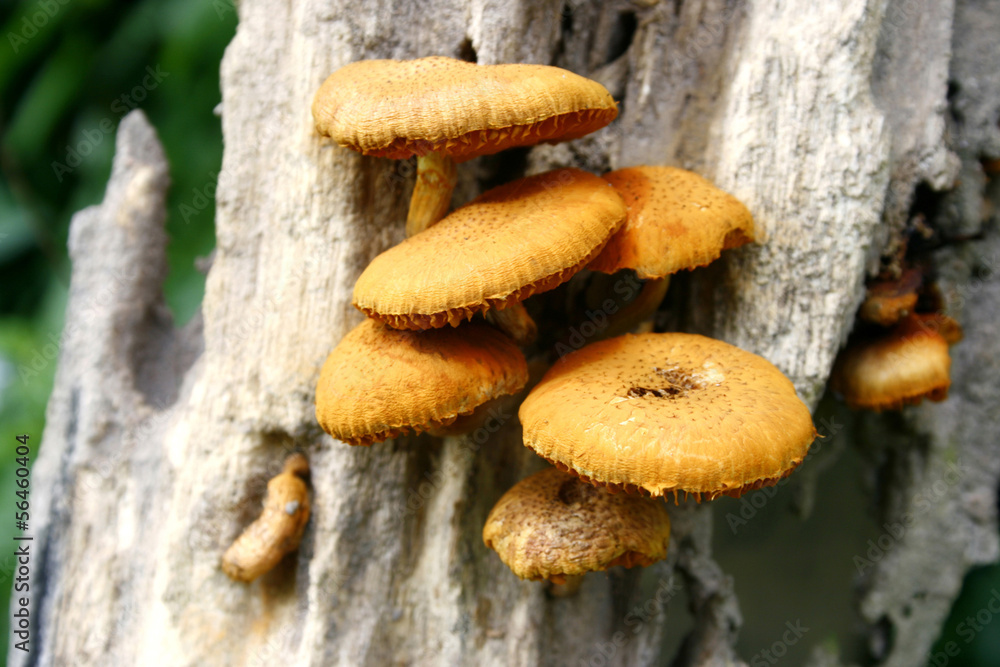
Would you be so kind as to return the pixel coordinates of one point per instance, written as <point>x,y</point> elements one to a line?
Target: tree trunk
<point>824,118</point>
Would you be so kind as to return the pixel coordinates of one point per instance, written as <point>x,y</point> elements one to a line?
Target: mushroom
<point>381,382</point>
<point>445,111</point>
<point>513,241</point>
<point>901,366</point>
<point>279,528</point>
<point>888,301</point>
<point>553,525</point>
<point>676,220</point>
<point>668,413</point>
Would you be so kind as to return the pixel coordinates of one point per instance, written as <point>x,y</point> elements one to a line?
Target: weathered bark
<point>159,442</point>
<point>939,466</point>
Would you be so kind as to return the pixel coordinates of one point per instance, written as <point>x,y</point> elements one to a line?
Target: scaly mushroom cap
<point>668,413</point>
<point>676,220</point>
<point>904,365</point>
<point>888,301</point>
<point>380,382</point>
<point>516,240</point>
<point>553,524</point>
<point>400,108</point>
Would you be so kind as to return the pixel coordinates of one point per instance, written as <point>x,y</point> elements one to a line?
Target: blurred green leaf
<point>58,82</point>
<point>16,235</point>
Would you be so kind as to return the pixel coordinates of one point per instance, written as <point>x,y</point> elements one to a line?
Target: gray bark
<point>823,119</point>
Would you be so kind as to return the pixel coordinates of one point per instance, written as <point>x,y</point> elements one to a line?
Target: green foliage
<point>971,634</point>
<point>69,72</point>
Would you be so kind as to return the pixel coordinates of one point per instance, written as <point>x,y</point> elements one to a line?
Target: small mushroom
<point>513,241</point>
<point>554,525</point>
<point>677,220</point>
<point>898,367</point>
<point>445,111</point>
<point>380,382</point>
<point>279,528</point>
<point>888,301</point>
<point>668,413</point>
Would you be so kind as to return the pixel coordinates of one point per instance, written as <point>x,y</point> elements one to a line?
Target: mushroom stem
<point>514,321</point>
<point>640,310</point>
<point>436,178</point>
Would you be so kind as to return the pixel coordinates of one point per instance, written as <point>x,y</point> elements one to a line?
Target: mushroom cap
<point>945,326</point>
<point>525,237</point>
<point>553,524</point>
<point>888,301</point>
<point>380,382</point>
<point>901,366</point>
<point>676,220</point>
<point>668,413</point>
<point>400,108</point>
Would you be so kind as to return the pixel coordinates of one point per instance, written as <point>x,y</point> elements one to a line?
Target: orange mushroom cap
<point>381,382</point>
<point>668,413</point>
<point>902,366</point>
<point>676,220</point>
<point>553,524</point>
<point>513,241</point>
<point>400,108</point>
<point>888,301</point>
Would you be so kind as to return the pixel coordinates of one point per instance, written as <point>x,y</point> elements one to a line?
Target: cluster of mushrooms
<point>898,353</point>
<point>624,420</point>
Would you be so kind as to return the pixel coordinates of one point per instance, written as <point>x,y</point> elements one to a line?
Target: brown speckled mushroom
<point>898,367</point>
<point>513,241</point>
<point>668,413</point>
<point>380,382</point>
<point>676,221</point>
<point>554,525</point>
<point>445,111</point>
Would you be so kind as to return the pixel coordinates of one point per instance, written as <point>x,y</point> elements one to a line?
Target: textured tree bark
<point>159,441</point>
